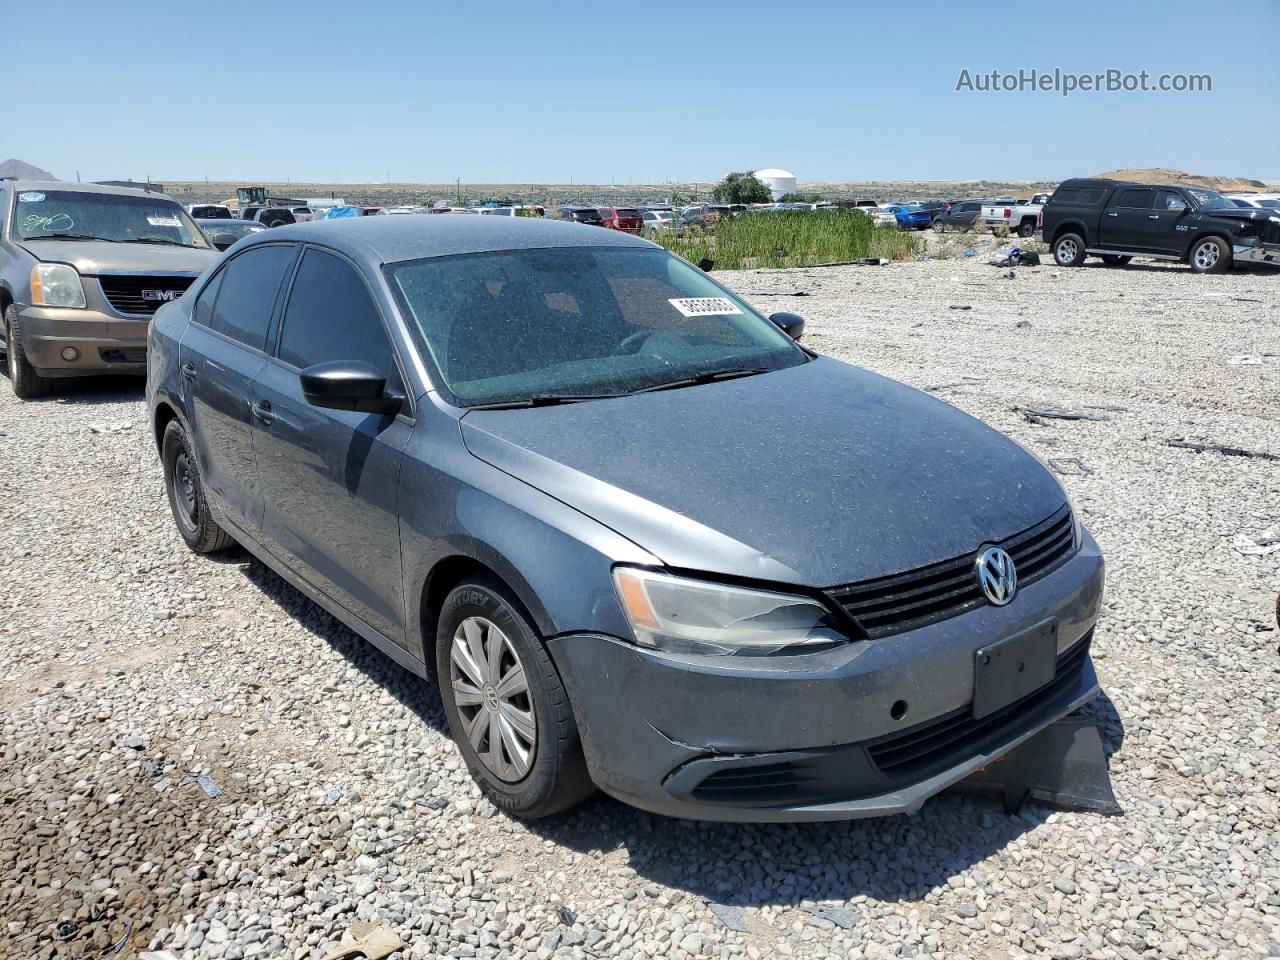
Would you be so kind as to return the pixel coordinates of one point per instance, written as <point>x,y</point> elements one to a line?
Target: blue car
<point>912,216</point>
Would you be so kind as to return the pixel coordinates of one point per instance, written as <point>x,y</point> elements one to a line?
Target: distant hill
<point>1182,179</point>
<point>24,171</point>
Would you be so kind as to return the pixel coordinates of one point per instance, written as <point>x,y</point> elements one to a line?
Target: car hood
<point>91,257</point>
<point>820,474</point>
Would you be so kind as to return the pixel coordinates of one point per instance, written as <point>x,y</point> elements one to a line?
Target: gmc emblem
<point>161,296</point>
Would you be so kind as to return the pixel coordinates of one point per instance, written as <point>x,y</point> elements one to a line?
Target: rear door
<point>1123,225</point>
<point>330,477</point>
<point>220,353</point>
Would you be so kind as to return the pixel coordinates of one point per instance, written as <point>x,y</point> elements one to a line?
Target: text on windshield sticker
<point>32,197</point>
<point>704,306</point>
<point>164,221</point>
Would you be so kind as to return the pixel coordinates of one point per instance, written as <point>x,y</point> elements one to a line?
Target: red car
<point>621,218</point>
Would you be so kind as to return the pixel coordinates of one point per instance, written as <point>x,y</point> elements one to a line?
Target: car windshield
<point>519,325</point>
<point>42,214</point>
<point>1209,200</point>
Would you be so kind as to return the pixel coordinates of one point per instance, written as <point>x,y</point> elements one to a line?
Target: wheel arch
<point>1069,226</point>
<point>1204,235</point>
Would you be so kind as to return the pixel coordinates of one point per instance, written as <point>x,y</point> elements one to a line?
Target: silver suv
<point>82,269</point>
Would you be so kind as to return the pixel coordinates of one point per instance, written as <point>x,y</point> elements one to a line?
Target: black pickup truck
<point>1118,221</point>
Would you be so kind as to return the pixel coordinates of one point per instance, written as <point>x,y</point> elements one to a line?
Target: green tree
<point>741,188</point>
<point>802,198</point>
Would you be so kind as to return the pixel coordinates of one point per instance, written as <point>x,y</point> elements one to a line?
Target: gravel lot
<point>132,667</point>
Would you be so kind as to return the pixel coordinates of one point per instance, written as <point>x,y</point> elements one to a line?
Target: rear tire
<point>1027,228</point>
<point>185,487</point>
<point>1068,250</point>
<point>939,226</point>
<point>1115,259</point>
<point>26,383</point>
<point>536,767</point>
<point>1210,255</point>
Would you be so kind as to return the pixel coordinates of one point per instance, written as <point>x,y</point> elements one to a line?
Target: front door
<point>220,353</point>
<point>330,477</point>
<point>1161,230</point>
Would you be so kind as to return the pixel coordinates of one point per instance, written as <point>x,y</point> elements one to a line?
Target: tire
<point>190,508</point>
<point>26,383</point>
<point>1210,255</point>
<point>1115,259</point>
<point>1068,250</point>
<point>939,226</point>
<point>537,769</point>
<point>1027,228</point>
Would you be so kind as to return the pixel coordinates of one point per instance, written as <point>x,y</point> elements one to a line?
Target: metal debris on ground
<point>567,916</point>
<point>1245,360</point>
<point>369,940</point>
<point>1266,543</point>
<point>203,781</point>
<point>842,917</point>
<point>1042,414</point>
<point>1222,449</point>
<point>1070,466</point>
<point>66,930</point>
<point>334,795</point>
<point>960,306</point>
<point>732,917</point>
<point>119,944</point>
<point>776,293</point>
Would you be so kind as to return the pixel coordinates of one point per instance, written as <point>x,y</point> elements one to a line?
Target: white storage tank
<point>779,182</point>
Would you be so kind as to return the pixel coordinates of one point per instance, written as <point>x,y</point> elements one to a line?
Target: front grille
<point>904,601</point>
<point>125,294</point>
<point>770,782</point>
<point>935,743</point>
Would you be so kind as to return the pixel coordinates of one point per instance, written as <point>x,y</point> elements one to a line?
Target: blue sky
<point>630,92</point>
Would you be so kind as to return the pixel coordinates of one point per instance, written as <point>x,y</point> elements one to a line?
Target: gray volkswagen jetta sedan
<point>641,539</point>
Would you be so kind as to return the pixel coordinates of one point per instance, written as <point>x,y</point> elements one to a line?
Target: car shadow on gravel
<point>86,391</point>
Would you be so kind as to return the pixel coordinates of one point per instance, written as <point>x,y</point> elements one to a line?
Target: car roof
<point>21,185</point>
<point>395,239</point>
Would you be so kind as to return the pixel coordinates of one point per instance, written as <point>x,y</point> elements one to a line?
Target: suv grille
<point>903,601</point>
<point>126,294</point>
<point>936,742</point>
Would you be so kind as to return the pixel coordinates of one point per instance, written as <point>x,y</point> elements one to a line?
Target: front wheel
<point>507,707</point>
<point>1210,255</point>
<point>1068,250</point>
<point>26,383</point>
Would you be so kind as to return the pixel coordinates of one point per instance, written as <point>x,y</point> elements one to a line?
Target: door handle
<point>1153,216</point>
<point>1113,214</point>
<point>262,410</point>
<point>189,371</point>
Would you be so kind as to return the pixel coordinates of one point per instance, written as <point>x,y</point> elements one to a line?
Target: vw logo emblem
<point>997,575</point>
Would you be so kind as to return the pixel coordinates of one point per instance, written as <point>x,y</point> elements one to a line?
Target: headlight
<point>679,615</point>
<point>56,285</point>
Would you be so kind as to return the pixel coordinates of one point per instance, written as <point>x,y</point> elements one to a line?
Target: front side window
<point>123,218</point>
<point>332,317</point>
<point>519,324</point>
<point>1169,200</point>
<point>249,286</point>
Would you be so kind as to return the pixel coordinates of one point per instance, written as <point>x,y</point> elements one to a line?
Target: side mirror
<point>792,324</point>
<point>223,240</point>
<point>348,385</point>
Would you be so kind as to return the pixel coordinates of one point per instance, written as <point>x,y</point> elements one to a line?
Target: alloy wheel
<point>1206,255</point>
<point>1066,251</point>
<point>491,691</point>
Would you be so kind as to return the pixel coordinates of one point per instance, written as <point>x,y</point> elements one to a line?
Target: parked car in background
<point>963,215</point>
<point>911,216</point>
<point>558,520</point>
<point>274,217</point>
<point>588,215</point>
<point>302,214</point>
<point>1022,217</point>
<point>373,211</point>
<point>658,221</point>
<point>1118,221</point>
<point>1259,201</point>
<point>706,214</point>
<point>83,268</point>
<point>209,211</point>
<point>881,215</point>
<point>220,232</point>
<point>626,219</point>
<point>497,211</point>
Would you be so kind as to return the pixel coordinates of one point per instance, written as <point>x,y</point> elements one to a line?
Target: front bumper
<point>814,737</point>
<point>1256,253</point>
<point>102,343</point>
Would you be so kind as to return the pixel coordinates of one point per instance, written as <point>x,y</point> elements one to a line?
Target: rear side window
<point>202,313</point>
<point>1134,199</point>
<point>331,316</point>
<point>248,291</point>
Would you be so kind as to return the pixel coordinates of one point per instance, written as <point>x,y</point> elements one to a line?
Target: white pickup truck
<point>1021,218</point>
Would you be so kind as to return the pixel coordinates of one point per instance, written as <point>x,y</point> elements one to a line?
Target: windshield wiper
<point>700,378</point>
<point>170,243</point>
<point>71,236</point>
<point>545,400</point>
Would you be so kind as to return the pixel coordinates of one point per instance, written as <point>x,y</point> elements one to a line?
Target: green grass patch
<point>792,238</point>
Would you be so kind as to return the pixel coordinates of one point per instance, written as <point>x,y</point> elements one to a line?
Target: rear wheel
<point>507,707</point>
<point>1027,228</point>
<point>1068,250</point>
<point>939,226</point>
<point>1210,255</point>
<point>1115,259</point>
<point>186,493</point>
<point>26,383</point>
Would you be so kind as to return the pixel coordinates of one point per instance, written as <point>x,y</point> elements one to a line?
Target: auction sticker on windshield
<point>31,198</point>
<point>164,221</point>
<point>704,306</point>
